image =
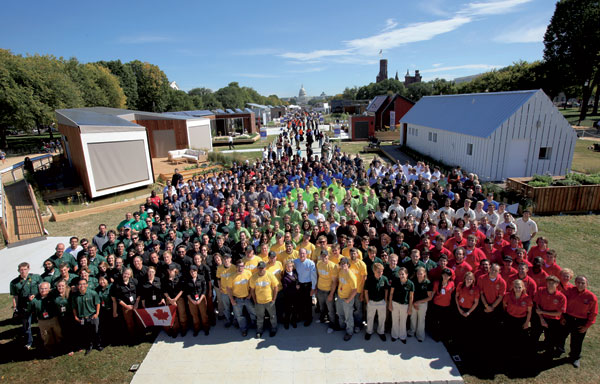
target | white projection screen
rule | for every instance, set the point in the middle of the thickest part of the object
(118, 163)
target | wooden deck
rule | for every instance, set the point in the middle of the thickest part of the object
(23, 220)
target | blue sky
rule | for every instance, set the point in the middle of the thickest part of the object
(275, 46)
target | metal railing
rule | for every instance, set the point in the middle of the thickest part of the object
(18, 166)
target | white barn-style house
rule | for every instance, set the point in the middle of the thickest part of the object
(495, 135)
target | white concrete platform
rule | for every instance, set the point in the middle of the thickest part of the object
(294, 356)
(33, 253)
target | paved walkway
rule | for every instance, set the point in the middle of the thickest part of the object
(34, 254)
(302, 355)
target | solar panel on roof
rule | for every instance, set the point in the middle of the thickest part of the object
(229, 110)
(376, 103)
(239, 110)
(220, 111)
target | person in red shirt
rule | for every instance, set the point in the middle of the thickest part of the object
(492, 254)
(508, 272)
(537, 273)
(550, 265)
(460, 266)
(473, 255)
(425, 244)
(466, 298)
(440, 312)
(484, 269)
(499, 241)
(432, 234)
(530, 285)
(582, 309)
(473, 230)
(538, 250)
(457, 240)
(511, 248)
(565, 280)
(518, 307)
(492, 287)
(550, 305)
(436, 273)
(510, 231)
(521, 257)
(438, 250)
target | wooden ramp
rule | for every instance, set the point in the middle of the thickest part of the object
(23, 220)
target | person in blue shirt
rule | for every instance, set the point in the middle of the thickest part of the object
(307, 278)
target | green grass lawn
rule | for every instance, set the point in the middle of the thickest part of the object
(23, 144)
(584, 159)
(572, 115)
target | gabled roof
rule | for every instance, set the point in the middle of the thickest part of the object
(474, 114)
(376, 103)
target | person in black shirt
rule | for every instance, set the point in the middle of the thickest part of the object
(139, 270)
(125, 299)
(151, 291)
(196, 290)
(173, 290)
(183, 260)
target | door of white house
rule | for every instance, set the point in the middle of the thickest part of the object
(515, 163)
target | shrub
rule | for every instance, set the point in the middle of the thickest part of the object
(541, 181)
(534, 183)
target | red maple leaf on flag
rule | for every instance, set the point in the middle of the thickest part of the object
(160, 314)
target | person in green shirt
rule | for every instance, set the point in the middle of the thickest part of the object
(86, 309)
(401, 303)
(128, 220)
(46, 311)
(23, 289)
(50, 271)
(364, 208)
(61, 257)
(106, 310)
(234, 235)
(376, 296)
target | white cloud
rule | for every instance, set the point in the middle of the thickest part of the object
(392, 37)
(389, 24)
(481, 67)
(436, 65)
(143, 39)
(523, 35)
(495, 7)
(319, 54)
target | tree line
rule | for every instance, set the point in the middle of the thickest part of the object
(33, 87)
(570, 65)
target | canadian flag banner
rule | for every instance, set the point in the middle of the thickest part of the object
(157, 316)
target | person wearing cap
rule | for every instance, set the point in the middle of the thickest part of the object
(327, 277)
(441, 310)
(196, 289)
(264, 288)
(507, 271)
(346, 294)
(279, 246)
(550, 306)
(582, 309)
(240, 298)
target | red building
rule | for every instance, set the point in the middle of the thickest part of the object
(379, 114)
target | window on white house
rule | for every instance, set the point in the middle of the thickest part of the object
(435, 137)
(469, 149)
(545, 153)
(416, 132)
(430, 136)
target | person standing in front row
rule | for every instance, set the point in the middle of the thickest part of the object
(263, 287)
(307, 278)
(422, 296)
(86, 310)
(376, 291)
(239, 295)
(23, 289)
(401, 303)
(347, 289)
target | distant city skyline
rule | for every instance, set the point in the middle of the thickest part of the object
(277, 47)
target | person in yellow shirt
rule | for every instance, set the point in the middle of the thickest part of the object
(335, 256)
(263, 286)
(327, 275)
(346, 294)
(225, 272)
(239, 295)
(251, 261)
(264, 252)
(276, 268)
(349, 246)
(279, 246)
(310, 247)
(289, 254)
(321, 245)
(359, 268)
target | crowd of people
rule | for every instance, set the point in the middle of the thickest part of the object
(387, 248)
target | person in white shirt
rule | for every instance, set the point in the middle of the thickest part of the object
(436, 175)
(479, 212)
(316, 215)
(447, 208)
(397, 207)
(492, 216)
(413, 209)
(466, 210)
(74, 247)
(526, 229)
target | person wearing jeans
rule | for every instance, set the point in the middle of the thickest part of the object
(346, 296)
(423, 294)
(327, 272)
(376, 296)
(225, 272)
(23, 289)
(239, 296)
(401, 304)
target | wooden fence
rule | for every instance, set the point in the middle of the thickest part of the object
(556, 199)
